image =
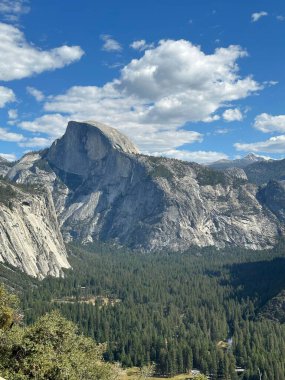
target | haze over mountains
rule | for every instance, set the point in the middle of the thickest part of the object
(237, 163)
(102, 189)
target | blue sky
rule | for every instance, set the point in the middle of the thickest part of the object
(199, 80)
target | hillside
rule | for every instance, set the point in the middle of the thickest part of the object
(103, 189)
(30, 238)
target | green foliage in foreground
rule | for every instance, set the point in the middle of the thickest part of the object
(51, 349)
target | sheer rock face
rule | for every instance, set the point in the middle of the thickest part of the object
(4, 166)
(30, 238)
(104, 189)
(273, 196)
(86, 143)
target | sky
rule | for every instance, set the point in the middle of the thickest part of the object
(198, 80)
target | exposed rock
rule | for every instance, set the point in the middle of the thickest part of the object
(30, 238)
(262, 172)
(103, 189)
(5, 165)
(273, 196)
(86, 143)
(238, 163)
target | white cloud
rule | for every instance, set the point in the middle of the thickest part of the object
(233, 114)
(258, 15)
(196, 84)
(210, 119)
(13, 9)
(8, 156)
(53, 125)
(5, 135)
(171, 85)
(38, 142)
(280, 18)
(110, 44)
(141, 45)
(37, 94)
(12, 114)
(268, 123)
(273, 145)
(6, 96)
(23, 59)
(203, 157)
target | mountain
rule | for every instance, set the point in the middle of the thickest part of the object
(262, 172)
(103, 189)
(30, 238)
(238, 163)
(273, 196)
(4, 166)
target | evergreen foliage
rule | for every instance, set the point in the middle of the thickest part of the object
(51, 348)
(198, 309)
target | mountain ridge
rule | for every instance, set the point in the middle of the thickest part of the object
(103, 189)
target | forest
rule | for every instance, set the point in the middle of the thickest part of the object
(200, 309)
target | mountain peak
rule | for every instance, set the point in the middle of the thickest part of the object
(117, 139)
(86, 142)
(253, 157)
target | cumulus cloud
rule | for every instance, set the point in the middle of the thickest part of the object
(37, 94)
(202, 157)
(233, 114)
(13, 9)
(141, 45)
(23, 59)
(268, 123)
(258, 15)
(8, 156)
(52, 125)
(155, 96)
(6, 96)
(182, 83)
(35, 142)
(110, 44)
(275, 144)
(5, 135)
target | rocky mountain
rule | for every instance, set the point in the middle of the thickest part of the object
(238, 163)
(30, 238)
(5, 165)
(262, 172)
(273, 196)
(104, 189)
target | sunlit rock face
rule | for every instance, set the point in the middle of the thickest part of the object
(30, 238)
(103, 189)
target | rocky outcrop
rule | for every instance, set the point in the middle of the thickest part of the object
(104, 189)
(241, 163)
(30, 238)
(273, 196)
(5, 165)
(261, 173)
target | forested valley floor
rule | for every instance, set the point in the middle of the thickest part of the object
(199, 309)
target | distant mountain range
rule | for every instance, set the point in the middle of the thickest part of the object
(238, 163)
(103, 189)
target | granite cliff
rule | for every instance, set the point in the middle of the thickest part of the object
(30, 238)
(104, 189)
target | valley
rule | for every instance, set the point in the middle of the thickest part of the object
(166, 263)
(142, 190)
(175, 308)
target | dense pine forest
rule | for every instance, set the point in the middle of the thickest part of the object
(199, 309)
